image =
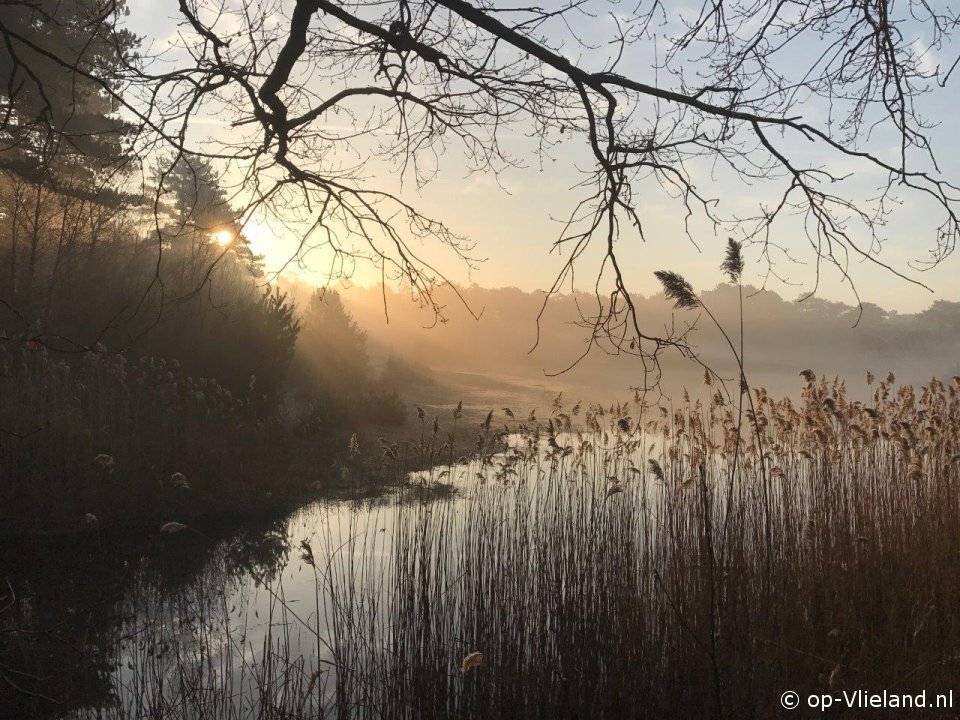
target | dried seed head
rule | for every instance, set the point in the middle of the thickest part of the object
(656, 469)
(677, 289)
(471, 661)
(732, 263)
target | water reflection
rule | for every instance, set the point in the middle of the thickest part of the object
(103, 626)
(81, 612)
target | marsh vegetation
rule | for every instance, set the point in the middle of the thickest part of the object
(230, 489)
(626, 561)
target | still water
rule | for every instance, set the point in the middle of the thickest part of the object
(224, 623)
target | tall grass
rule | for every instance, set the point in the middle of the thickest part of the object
(96, 433)
(628, 569)
(600, 581)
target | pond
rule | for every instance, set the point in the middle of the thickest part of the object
(630, 571)
(304, 615)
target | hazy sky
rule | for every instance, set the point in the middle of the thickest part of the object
(512, 218)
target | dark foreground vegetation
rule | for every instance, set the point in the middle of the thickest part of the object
(620, 562)
(147, 369)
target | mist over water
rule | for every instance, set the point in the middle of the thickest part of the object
(780, 339)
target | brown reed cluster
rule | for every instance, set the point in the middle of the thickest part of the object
(652, 561)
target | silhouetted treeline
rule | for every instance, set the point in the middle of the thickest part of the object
(153, 343)
(80, 272)
(140, 337)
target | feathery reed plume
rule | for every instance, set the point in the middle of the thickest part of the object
(306, 553)
(732, 263)
(613, 490)
(107, 462)
(677, 289)
(179, 480)
(473, 660)
(656, 469)
(486, 423)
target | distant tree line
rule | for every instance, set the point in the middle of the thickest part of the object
(782, 337)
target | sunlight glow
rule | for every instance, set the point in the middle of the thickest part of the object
(222, 237)
(258, 236)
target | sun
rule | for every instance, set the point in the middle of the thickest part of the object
(222, 237)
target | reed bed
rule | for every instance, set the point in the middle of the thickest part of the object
(663, 567)
(96, 433)
(634, 562)
(200, 652)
